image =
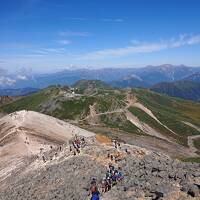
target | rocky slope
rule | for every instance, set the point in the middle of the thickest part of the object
(26, 133)
(148, 175)
(5, 99)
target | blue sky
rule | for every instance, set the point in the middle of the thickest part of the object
(46, 35)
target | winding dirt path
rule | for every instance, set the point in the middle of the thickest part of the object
(131, 100)
(192, 138)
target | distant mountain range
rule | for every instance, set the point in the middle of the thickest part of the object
(194, 77)
(130, 81)
(150, 75)
(118, 77)
(18, 92)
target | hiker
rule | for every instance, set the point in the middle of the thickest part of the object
(74, 153)
(108, 156)
(93, 182)
(43, 159)
(108, 174)
(78, 143)
(108, 184)
(103, 185)
(78, 151)
(114, 178)
(95, 193)
(83, 140)
(119, 174)
(126, 150)
(118, 144)
(111, 168)
(70, 148)
(74, 145)
(41, 149)
(111, 157)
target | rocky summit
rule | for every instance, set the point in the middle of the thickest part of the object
(61, 174)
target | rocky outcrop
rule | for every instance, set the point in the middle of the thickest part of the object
(147, 175)
(5, 99)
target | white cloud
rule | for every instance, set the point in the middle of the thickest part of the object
(64, 42)
(144, 47)
(21, 77)
(6, 81)
(70, 33)
(47, 51)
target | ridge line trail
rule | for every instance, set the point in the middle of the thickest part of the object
(193, 137)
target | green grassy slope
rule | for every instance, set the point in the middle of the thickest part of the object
(170, 111)
(182, 89)
(165, 107)
(31, 102)
(197, 143)
(83, 85)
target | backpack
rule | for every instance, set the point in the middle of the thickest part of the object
(95, 196)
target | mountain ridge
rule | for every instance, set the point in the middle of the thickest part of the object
(151, 75)
(182, 89)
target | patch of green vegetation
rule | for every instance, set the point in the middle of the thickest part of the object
(82, 85)
(144, 117)
(31, 102)
(191, 159)
(176, 125)
(74, 108)
(120, 122)
(105, 103)
(171, 111)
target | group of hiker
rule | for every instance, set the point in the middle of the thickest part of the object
(77, 144)
(116, 144)
(51, 155)
(113, 177)
(114, 157)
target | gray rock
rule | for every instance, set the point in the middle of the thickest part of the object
(193, 191)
